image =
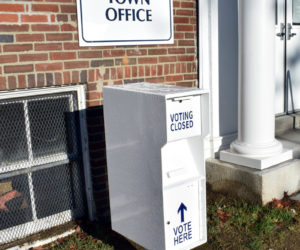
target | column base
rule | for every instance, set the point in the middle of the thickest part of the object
(256, 161)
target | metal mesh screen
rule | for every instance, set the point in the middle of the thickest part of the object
(41, 171)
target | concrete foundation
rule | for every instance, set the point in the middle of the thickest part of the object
(253, 185)
(256, 185)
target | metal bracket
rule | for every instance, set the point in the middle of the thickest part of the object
(289, 33)
(281, 34)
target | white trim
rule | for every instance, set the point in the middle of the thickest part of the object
(35, 226)
(43, 242)
(209, 64)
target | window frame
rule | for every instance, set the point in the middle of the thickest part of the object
(27, 166)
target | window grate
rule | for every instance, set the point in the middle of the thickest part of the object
(41, 170)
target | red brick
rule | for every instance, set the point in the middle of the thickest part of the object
(136, 52)
(128, 71)
(59, 37)
(76, 64)
(34, 18)
(186, 58)
(8, 58)
(62, 55)
(178, 68)
(21, 81)
(134, 71)
(60, 1)
(18, 68)
(67, 78)
(33, 57)
(190, 77)
(147, 70)
(93, 95)
(12, 82)
(94, 103)
(183, 68)
(29, 37)
(62, 18)
(159, 70)
(166, 69)
(106, 74)
(58, 78)
(153, 70)
(2, 83)
(189, 35)
(90, 54)
(45, 7)
(175, 78)
(52, 17)
(179, 35)
(11, 7)
(193, 20)
(40, 80)
(176, 51)
(147, 60)
(186, 84)
(91, 75)
(164, 59)
(186, 43)
(11, 18)
(68, 9)
(120, 73)
(184, 27)
(155, 79)
(47, 46)
(172, 68)
(75, 77)
(14, 27)
(72, 46)
(48, 66)
(184, 12)
(189, 5)
(92, 87)
(31, 80)
(176, 4)
(157, 51)
(113, 74)
(113, 53)
(44, 27)
(125, 61)
(141, 71)
(181, 20)
(68, 27)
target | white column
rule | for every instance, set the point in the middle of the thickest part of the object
(256, 145)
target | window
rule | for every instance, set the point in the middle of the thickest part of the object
(42, 177)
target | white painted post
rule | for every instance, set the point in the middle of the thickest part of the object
(256, 145)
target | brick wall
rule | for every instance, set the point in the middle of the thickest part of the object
(39, 47)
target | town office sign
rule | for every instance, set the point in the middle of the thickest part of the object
(125, 22)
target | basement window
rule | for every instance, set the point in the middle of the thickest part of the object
(44, 171)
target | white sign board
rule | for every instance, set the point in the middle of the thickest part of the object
(125, 22)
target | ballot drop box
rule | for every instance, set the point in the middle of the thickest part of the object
(156, 171)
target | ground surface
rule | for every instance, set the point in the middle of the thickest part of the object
(232, 224)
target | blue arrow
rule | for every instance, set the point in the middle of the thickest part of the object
(181, 210)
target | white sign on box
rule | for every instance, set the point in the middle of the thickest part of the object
(125, 22)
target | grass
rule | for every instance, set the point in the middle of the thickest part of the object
(236, 224)
(231, 224)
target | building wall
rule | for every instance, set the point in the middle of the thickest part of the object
(39, 48)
